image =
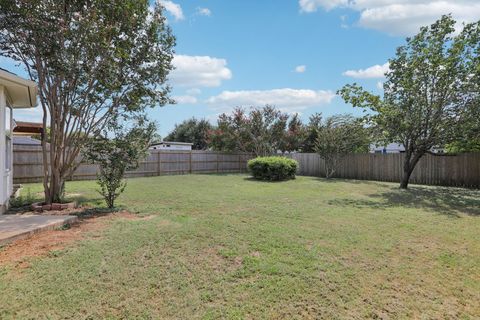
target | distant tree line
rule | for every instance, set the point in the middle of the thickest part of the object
(262, 131)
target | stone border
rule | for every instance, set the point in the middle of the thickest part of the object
(40, 206)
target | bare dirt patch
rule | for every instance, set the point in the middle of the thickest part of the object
(42, 243)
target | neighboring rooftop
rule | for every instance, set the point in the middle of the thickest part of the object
(25, 141)
(24, 127)
(172, 142)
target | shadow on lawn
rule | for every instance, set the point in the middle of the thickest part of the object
(252, 179)
(351, 181)
(449, 201)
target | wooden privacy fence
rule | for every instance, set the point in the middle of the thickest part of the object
(460, 170)
(28, 165)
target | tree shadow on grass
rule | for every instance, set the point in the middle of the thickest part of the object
(252, 179)
(449, 201)
(351, 181)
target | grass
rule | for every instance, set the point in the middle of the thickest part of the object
(225, 246)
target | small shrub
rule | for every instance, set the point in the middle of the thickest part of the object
(22, 200)
(273, 168)
(116, 155)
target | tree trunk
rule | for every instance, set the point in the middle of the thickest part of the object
(53, 178)
(409, 164)
(57, 187)
(407, 172)
(329, 169)
(45, 151)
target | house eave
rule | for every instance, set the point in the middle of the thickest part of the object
(22, 93)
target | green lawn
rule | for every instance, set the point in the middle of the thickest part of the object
(224, 246)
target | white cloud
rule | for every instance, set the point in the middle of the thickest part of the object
(199, 71)
(344, 23)
(185, 99)
(204, 12)
(399, 17)
(313, 5)
(406, 19)
(376, 71)
(288, 100)
(301, 69)
(194, 92)
(173, 8)
(380, 85)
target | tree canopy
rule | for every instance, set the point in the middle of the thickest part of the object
(261, 131)
(339, 136)
(433, 80)
(193, 131)
(93, 60)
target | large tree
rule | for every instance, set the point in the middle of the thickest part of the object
(339, 136)
(261, 131)
(311, 133)
(92, 60)
(294, 135)
(192, 130)
(433, 80)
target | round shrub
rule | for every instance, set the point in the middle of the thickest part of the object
(273, 168)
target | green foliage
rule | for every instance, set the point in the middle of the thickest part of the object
(273, 168)
(93, 60)
(192, 131)
(431, 88)
(311, 133)
(463, 146)
(467, 132)
(339, 136)
(117, 155)
(261, 131)
(23, 200)
(294, 135)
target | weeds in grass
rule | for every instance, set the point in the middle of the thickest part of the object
(220, 246)
(22, 200)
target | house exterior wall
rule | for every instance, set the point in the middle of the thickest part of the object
(171, 146)
(6, 185)
(389, 148)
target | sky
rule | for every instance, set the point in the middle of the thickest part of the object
(293, 54)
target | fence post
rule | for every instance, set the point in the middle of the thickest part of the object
(159, 163)
(190, 161)
(217, 163)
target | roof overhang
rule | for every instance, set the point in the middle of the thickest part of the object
(22, 93)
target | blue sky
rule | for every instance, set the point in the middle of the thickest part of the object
(293, 54)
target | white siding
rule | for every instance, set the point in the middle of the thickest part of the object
(6, 185)
(171, 146)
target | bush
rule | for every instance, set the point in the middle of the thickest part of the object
(273, 168)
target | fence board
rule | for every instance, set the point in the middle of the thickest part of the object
(461, 170)
(28, 166)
